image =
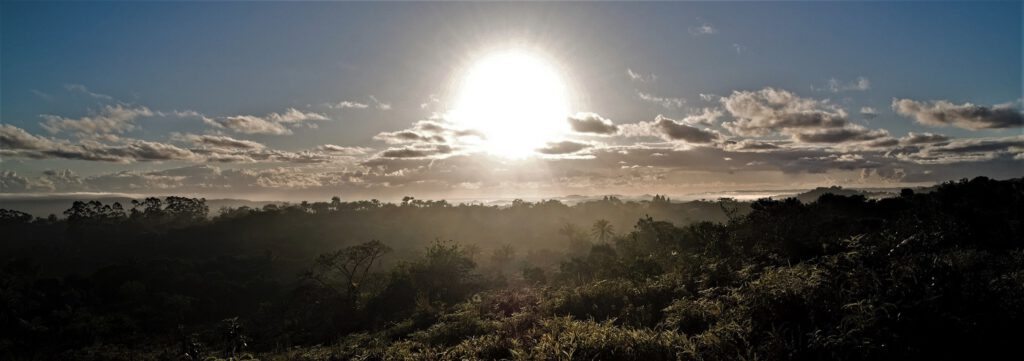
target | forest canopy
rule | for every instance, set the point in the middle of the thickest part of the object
(936, 274)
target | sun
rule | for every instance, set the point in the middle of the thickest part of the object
(516, 99)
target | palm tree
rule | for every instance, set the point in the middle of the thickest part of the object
(602, 230)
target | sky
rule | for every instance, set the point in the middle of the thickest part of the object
(303, 101)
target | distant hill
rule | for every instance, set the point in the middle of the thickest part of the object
(812, 195)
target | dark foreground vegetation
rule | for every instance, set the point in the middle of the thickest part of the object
(936, 275)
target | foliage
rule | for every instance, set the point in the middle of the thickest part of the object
(936, 275)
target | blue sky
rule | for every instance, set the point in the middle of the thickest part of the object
(184, 62)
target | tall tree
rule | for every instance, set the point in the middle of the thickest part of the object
(351, 264)
(602, 231)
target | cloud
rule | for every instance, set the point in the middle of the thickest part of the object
(110, 119)
(416, 152)
(13, 138)
(10, 181)
(341, 150)
(852, 133)
(770, 111)
(703, 29)
(859, 84)
(133, 151)
(967, 150)
(62, 179)
(868, 112)
(352, 104)
(16, 142)
(409, 136)
(380, 105)
(241, 155)
(673, 130)
(922, 138)
(667, 103)
(292, 115)
(137, 150)
(82, 89)
(638, 77)
(749, 145)
(217, 141)
(563, 147)
(966, 116)
(247, 124)
(273, 123)
(41, 95)
(592, 123)
(434, 130)
(346, 104)
(707, 116)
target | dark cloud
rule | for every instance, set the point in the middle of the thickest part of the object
(850, 133)
(966, 116)
(16, 142)
(966, 150)
(16, 139)
(416, 152)
(563, 147)
(674, 130)
(592, 123)
(749, 145)
(433, 130)
(409, 136)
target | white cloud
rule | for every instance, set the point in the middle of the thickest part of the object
(641, 78)
(868, 112)
(273, 123)
(703, 29)
(82, 89)
(116, 118)
(859, 84)
(217, 141)
(707, 116)
(347, 104)
(667, 103)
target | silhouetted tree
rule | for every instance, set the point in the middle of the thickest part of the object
(602, 231)
(351, 264)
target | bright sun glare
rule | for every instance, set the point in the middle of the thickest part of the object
(516, 99)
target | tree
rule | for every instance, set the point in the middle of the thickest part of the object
(602, 230)
(352, 264)
(10, 216)
(503, 256)
(578, 243)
